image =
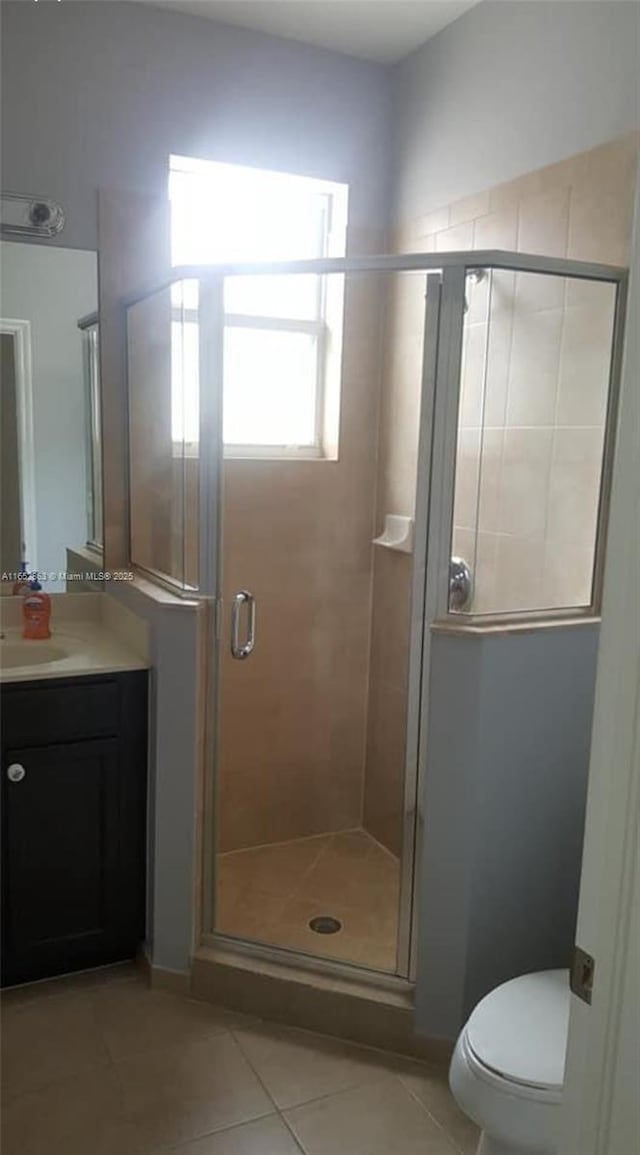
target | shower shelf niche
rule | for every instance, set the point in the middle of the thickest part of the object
(397, 533)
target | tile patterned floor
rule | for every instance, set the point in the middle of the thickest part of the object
(101, 1065)
(271, 893)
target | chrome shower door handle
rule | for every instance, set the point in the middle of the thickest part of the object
(460, 585)
(240, 652)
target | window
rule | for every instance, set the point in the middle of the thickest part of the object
(276, 327)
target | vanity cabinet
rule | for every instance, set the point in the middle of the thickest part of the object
(74, 769)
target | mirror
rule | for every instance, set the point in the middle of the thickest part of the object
(51, 463)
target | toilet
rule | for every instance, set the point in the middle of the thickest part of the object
(507, 1070)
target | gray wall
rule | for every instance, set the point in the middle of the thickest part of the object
(173, 756)
(503, 813)
(99, 94)
(510, 87)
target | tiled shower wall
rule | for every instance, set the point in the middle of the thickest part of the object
(541, 452)
(298, 534)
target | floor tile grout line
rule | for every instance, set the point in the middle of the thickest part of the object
(305, 1102)
(333, 1094)
(297, 1141)
(305, 874)
(285, 842)
(254, 1069)
(219, 1131)
(292, 894)
(432, 1117)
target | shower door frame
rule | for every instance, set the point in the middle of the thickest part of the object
(445, 280)
(444, 296)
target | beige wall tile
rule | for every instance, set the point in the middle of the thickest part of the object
(543, 223)
(547, 358)
(519, 567)
(490, 480)
(469, 209)
(298, 535)
(454, 239)
(585, 358)
(600, 225)
(567, 574)
(485, 573)
(526, 464)
(391, 616)
(534, 291)
(504, 196)
(472, 375)
(464, 545)
(498, 229)
(384, 780)
(467, 482)
(574, 486)
(498, 359)
(433, 222)
(534, 367)
(601, 211)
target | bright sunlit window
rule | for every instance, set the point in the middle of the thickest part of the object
(276, 328)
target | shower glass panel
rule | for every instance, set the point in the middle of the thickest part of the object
(163, 381)
(532, 425)
(322, 400)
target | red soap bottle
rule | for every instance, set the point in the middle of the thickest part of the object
(36, 613)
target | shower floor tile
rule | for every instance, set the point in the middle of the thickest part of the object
(271, 893)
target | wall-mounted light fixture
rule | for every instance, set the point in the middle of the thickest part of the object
(29, 216)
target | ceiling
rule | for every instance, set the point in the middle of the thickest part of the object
(381, 30)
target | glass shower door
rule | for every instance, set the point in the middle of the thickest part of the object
(315, 811)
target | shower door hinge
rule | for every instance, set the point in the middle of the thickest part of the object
(583, 967)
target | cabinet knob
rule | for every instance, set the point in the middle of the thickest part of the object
(16, 772)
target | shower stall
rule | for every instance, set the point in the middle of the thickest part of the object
(334, 457)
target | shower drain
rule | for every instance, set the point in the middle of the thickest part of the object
(325, 924)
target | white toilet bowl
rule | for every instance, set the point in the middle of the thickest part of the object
(507, 1070)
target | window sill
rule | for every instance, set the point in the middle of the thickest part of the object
(255, 453)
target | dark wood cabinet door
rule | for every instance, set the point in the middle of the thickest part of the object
(62, 872)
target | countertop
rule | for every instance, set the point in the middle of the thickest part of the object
(102, 642)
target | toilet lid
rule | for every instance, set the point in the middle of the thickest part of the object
(520, 1029)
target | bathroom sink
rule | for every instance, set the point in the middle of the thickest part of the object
(14, 654)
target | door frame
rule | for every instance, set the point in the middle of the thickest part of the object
(21, 333)
(600, 1113)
